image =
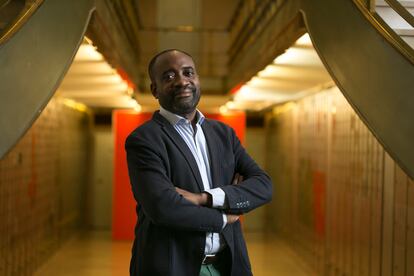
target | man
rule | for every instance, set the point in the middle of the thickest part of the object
(184, 171)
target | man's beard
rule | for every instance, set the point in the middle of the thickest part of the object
(183, 106)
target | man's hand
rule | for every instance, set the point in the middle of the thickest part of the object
(198, 199)
(238, 178)
(231, 218)
(204, 199)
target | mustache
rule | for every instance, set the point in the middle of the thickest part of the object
(181, 89)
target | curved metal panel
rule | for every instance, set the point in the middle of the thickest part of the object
(33, 62)
(374, 76)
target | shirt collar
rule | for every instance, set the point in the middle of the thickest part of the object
(175, 119)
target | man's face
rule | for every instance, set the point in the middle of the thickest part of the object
(176, 84)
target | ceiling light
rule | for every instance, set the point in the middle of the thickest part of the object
(269, 71)
(186, 28)
(134, 105)
(288, 56)
(129, 91)
(75, 105)
(304, 40)
(88, 52)
(223, 109)
(230, 105)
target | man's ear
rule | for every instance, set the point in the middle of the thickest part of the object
(153, 88)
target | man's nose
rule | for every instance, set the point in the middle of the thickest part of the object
(181, 80)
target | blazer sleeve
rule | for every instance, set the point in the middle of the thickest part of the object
(155, 192)
(256, 187)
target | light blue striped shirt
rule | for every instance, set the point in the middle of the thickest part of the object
(196, 142)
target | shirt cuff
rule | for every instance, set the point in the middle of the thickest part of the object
(224, 221)
(218, 197)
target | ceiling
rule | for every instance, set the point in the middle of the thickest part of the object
(126, 34)
(93, 82)
(294, 74)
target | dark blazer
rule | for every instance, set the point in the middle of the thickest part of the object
(171, 231)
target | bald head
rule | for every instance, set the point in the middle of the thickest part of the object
(153, 61)
(174, 82)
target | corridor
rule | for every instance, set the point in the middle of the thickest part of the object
(94, 253)
(319, 94)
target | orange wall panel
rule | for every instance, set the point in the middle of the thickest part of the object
(237, 120)
(123, 212)
(124, 122)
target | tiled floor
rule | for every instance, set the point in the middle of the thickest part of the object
(95, 254)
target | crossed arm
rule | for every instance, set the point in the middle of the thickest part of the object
(164, 204)
(205, 199)
(156, 194)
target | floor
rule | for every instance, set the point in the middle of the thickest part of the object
(94, 253)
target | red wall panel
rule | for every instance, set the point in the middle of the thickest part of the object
(237, 120)
(124, 122)
(123, 208)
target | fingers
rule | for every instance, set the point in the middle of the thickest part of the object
(235, 179)
(180, 191)
(231, 218)
(238, 178)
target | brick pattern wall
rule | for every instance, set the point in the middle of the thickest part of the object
(328, 171)
(42, 182)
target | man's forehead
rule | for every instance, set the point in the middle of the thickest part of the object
(174, 59)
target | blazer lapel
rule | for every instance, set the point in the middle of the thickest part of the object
(213, 151)
(182, 146)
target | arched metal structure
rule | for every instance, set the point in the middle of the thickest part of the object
(370, 68)
(34, 60)
(375, 76)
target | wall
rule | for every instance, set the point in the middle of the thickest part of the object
(100, 189)
(42, 188)
(255, 147)
(339, 199)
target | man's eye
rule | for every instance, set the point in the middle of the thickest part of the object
(189, 73)
(168, 77)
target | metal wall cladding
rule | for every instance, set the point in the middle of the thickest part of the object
(42, 182)
(328, 171)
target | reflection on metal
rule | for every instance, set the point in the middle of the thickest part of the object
(49, 40)
(14, 14)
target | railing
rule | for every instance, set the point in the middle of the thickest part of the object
(402, 11)
(17, 14)
(368, 7)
